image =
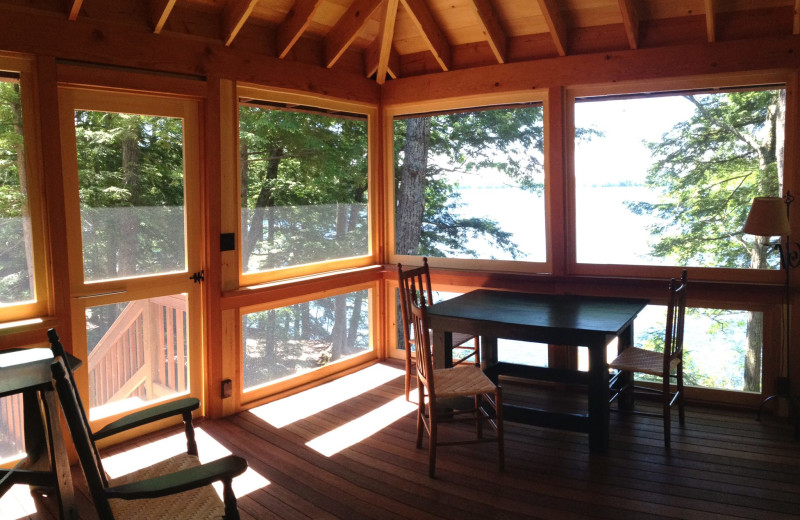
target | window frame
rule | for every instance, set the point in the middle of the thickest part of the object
(660, 88)
(253, 395)
(41, 305)
(465, 104)
(373, 181)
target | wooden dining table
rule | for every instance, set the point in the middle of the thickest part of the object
(567, 320)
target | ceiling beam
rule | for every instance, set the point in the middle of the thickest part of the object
(385, 37)
(796, 27)
(631, 22)
(295, 24)
(74, 9)
(555, 22)
(434, 38)
(494, 32)
(234, 16)
(347, 28)
(710, 29)
(371, 61)
(159, 12)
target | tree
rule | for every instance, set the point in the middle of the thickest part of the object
(509, 141)
(708, 170)
(16, 249)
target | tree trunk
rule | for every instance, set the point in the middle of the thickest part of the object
(355, 321)
(339, 331)
(411, 189)
(25, 217)
(129, 222)
(265, 199)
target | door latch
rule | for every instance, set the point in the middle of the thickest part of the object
(198, 277)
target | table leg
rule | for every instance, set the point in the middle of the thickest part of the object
(442, 348)
(35, 446)
(489, 357)
(59, 463)
(598, 398)
(625, 379)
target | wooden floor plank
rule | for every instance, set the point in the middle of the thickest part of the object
(723, 464)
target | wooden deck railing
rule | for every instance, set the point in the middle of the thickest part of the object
(143, 354)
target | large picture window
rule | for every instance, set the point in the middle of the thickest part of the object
(304, 179)
(675, 174)
(470, 184)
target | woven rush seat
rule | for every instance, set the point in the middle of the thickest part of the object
(202, 503)
(639, 360)
(468, 380)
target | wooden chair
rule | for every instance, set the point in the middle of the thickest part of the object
(183, 407)
(178, 487)
(667, 365)
(448, 383)
(421, 279)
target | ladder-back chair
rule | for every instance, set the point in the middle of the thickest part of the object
(667, 365)
(179, 487)
(420, 279)
(448, 383)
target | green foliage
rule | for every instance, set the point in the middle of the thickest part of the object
(509, 141)
(305, 179)
(707, 170)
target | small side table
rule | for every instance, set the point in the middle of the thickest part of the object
(27, 371)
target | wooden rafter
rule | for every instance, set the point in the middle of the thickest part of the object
(796, 25)
(495, 34)
(631, 22)
(385, 37)
(433, 36)
(371, 61)
(233, 18)
(75, 9)
(295, 24)
(555, 22)
(159, 12)
(710, 28)
(347, 28)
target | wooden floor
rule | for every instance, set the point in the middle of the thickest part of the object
(723, 464)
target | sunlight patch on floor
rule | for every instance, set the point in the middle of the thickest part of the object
(305, 404)
(209, 450)
(359, 429)
(17, 503)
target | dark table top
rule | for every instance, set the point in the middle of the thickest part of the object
(547, 311)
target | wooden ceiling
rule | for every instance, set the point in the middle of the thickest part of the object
(385, 39)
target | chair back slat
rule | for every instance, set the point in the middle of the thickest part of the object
(676, 312)
(81, 437)
(419, 318)
(415, 281)
(60, 353)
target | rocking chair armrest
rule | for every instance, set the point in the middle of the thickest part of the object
(147, 416)
(184, 480)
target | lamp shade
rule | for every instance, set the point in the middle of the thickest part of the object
(767, 218)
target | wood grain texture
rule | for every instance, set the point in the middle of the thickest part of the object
(723, 464)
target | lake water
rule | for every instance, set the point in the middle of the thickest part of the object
(607, 233)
